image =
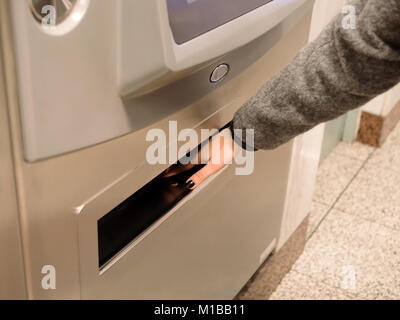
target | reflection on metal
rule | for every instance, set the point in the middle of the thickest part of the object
(63, 8)
(135, 215)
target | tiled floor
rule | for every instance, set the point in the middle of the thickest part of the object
(353, 248)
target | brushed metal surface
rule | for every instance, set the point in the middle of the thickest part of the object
(63, 8)
(64, 196)
(89, 109)
(12, 278)
(189, 19)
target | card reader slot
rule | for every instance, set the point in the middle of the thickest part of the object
(133, 216)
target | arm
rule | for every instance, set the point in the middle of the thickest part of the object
(341, 70)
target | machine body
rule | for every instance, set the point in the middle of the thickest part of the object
(85, 97)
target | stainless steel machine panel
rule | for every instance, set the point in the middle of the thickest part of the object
(191, 18)
(70, 78)
(63, 8)
(210, 241)
(203, 247)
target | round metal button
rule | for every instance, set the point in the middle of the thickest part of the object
(62, 8)
(219, 73)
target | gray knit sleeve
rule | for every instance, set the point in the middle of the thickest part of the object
(341, 70)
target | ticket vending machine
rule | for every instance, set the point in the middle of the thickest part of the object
(88, 90)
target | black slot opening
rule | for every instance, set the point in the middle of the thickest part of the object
(132, 217)
(128, 220)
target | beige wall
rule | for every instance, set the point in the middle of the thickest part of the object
(383, 104)
(307, 147)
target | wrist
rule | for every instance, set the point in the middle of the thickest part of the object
(242, 139)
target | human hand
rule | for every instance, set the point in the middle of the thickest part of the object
(215, 155)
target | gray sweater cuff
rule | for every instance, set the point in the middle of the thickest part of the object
(240, 141)
(341, 70)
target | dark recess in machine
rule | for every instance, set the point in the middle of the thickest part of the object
(128, 220)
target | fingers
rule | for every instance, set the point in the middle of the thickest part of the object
(200, 176)
(220, 153)
(177, 169)
(187, 162)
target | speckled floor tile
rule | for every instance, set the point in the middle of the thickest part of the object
(374, 195)
(387, 157)
(354, 150)
(356, 255)
(318, 212)
(334, 175)
(297, 286)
